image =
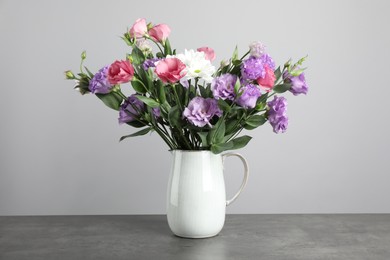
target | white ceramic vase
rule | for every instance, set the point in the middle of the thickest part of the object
(196, 197)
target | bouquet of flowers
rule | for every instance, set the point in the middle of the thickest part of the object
(185, 99)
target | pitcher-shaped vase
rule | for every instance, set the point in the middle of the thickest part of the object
(196, 197)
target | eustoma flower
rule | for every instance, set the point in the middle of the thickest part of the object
(99, 83)
(256, 49)
(139, 28)
(130, 109)
(250, 94)
(170, 70)
(298, 83)
(208, 52)
(223, 86)
(160, 32)
(150, 63)
(267, 82)
(201, 110)
(252, 68)
(120, 72)
(277, 116)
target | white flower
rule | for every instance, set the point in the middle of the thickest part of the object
(144, 46)
(256, 49)
(197, 66)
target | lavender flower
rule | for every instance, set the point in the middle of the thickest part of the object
(156, 112)
(267, 60)
(252, 68)
(223, 86)
(250, 94)
(277, 114)
(299, 85)
(130, 109)
(200, 111)
(256, 49)
(150, 63)
(99, 83)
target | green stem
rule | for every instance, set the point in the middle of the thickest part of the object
(245, 55)
(157, 45)
(177, 97)
(171, 146)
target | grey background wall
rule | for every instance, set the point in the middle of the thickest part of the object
(59, 151)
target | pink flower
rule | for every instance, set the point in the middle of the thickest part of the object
(120, 72)
(139, 28)
(267, 82)
(208, 53)
(159, 32)
(170, 70)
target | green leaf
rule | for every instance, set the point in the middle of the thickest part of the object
(278, 74)
(89, 72)
(148, 101)
(223, 105)
(254, 121)
(141, 132)
(203, 137)
(230, 125)
(235, 54)
(174, 117)
(137, 56)
(112, 100)
(160, 91)
(217, 133)
(219, 148)
(167, 48)
(240, 142)
(138, 86)
(262, 98)
(136, 124)
(281, 88)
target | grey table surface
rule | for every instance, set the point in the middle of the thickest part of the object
(360, 236)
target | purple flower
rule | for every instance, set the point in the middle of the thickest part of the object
(150, 63)
(156, 112)
(223, 86)
(267, 60)
(99, 83)
(277, 116)
(250, 94)
(130, 109)
(252, 68)
(298, 83)
(201, 110)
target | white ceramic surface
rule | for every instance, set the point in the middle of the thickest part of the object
(196, 197)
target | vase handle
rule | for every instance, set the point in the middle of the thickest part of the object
(246, 174)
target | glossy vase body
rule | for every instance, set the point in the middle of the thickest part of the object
(196, 197)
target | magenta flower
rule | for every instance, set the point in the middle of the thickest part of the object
(200, 111)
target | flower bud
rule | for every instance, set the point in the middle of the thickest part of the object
(224, 63)
(83, 55)
(287, 64)
(69, 75)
